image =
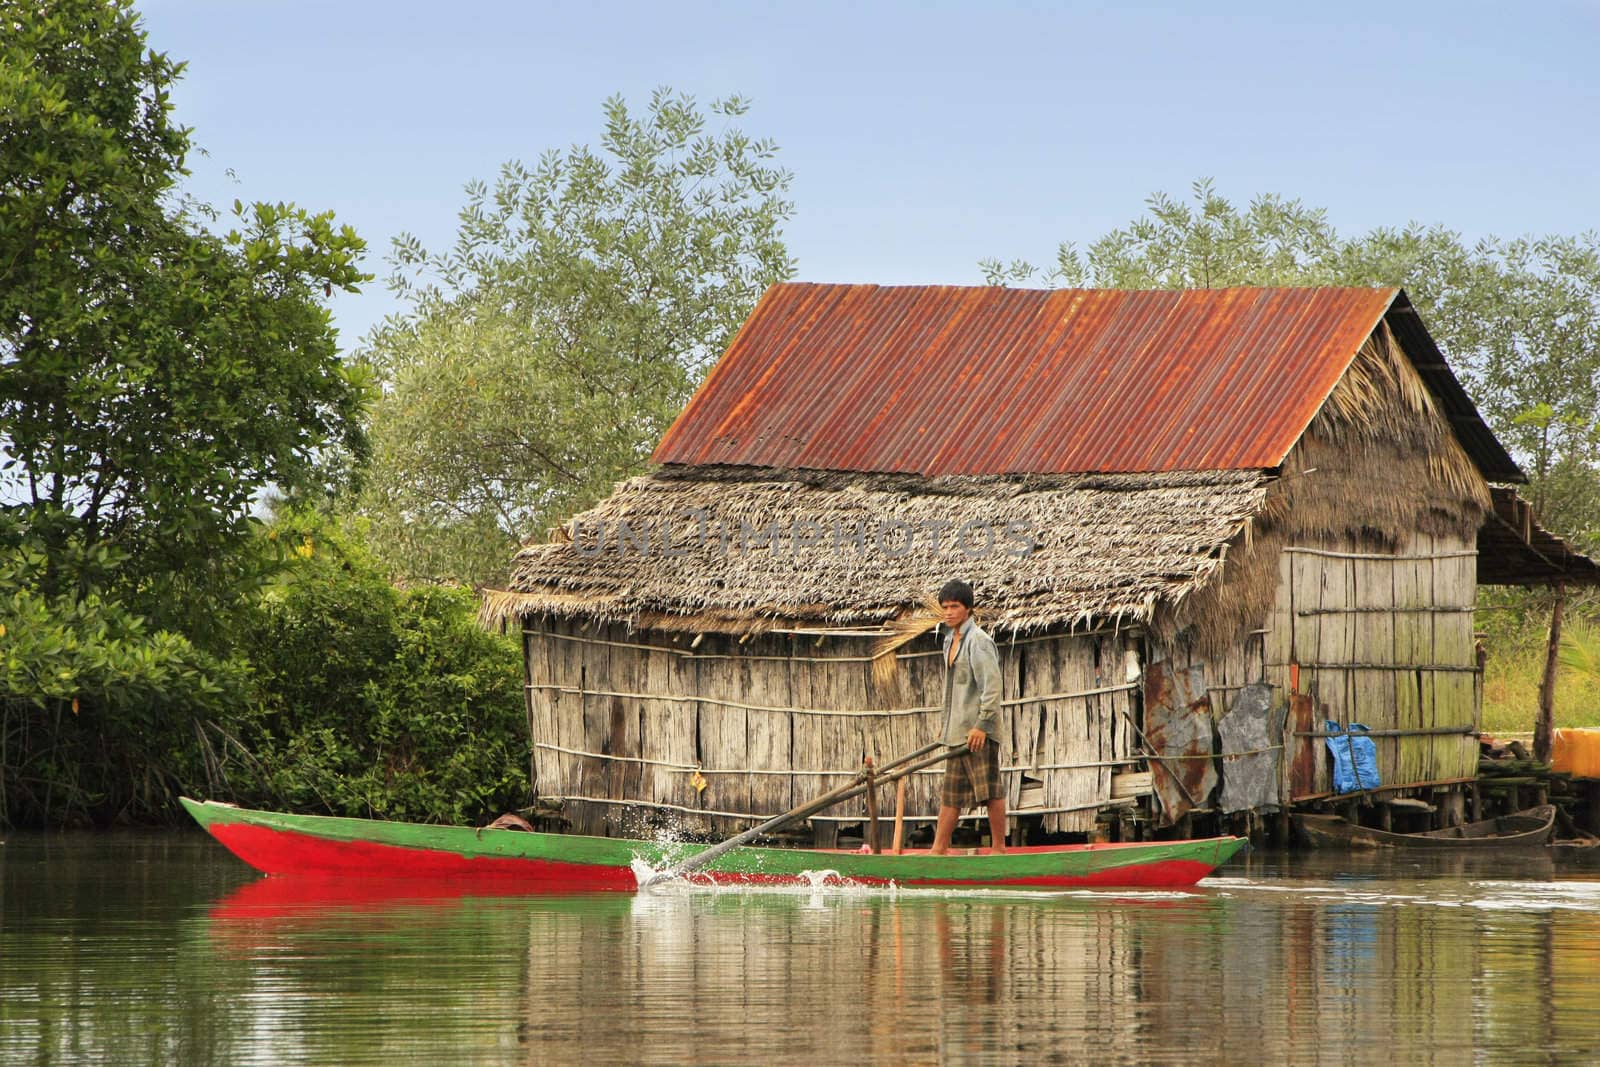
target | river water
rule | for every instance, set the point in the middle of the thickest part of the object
(162, 948)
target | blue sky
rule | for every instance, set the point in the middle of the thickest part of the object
(922, 136)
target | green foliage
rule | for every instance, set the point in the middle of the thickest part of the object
(547, 350)
(356, 699)
(1580, 649)
(376, 702)
(1519, 319)
(154, 377)
(102, 717)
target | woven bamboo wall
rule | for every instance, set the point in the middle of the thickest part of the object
(621, 720)
(1090, 734)
(1384, 640)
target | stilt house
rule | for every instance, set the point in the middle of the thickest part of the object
(1201, 526)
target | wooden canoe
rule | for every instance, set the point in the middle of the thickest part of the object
(324, 846)
(1522, 829)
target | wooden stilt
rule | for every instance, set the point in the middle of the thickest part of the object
(872, 810)
(899, 816)
(1544, 725)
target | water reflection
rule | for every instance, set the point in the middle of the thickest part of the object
(1303, 959)
(914, 977)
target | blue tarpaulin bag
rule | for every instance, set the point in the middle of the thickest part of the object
(1355, 757)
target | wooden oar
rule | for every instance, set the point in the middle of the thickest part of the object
(889, 772)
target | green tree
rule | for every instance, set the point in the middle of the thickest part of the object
(544, 353)
(154, 377)
(1519, 319)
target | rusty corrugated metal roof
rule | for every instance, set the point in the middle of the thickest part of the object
(942, 380)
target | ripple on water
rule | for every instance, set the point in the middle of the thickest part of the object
(1484, 894)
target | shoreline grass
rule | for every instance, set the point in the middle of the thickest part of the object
(1511, 693)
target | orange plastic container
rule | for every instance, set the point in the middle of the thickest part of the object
(1576, 752)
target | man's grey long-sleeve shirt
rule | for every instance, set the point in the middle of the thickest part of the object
(971, 686)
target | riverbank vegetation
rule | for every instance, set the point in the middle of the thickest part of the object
(237, 556)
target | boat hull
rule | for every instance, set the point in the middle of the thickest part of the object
(1525, 829)
(323, 846)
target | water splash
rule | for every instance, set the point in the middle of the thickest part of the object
(645, 874)
(818, 879)
(649, 877)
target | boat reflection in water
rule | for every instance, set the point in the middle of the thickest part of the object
(1341, 962)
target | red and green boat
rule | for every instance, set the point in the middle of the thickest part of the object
(324, 846)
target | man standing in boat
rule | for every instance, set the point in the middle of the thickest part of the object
(971, 720)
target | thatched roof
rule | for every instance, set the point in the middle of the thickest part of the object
(1059, 550)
